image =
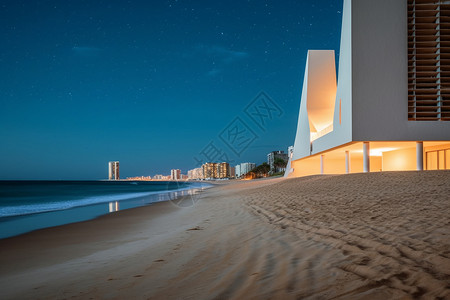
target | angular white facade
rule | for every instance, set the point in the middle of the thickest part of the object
(361, 123)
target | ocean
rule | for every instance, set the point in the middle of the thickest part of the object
(29, 205)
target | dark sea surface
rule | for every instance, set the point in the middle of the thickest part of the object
(31, 205)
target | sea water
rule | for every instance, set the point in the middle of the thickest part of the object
(31, 205)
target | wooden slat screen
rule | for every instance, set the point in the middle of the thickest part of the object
(429, 60)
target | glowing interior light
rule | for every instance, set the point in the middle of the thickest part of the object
(379, 151)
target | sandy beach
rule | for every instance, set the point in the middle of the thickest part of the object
(358, 236)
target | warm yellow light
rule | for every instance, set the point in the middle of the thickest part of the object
(377, 151)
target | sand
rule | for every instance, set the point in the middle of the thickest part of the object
(358, 236)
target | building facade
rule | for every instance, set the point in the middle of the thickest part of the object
(272, 157)
(223, 170)
(196, 174)
(232, 172)
(390, 109)
(175, 174)
(237, 170)
(247, 167)
(244, 168)
(113, 170)
(209, 170)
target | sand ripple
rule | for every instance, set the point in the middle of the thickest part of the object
(393, 228)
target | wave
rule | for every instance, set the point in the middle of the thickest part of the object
(20, 210)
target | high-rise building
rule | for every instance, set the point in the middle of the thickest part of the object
(272, 156)
(245, 168)
(389, 107)
(210, 170)
(196, 173)
(175, 174)
(232, 172)
(113, 170)
(237, 169)
(223, 170)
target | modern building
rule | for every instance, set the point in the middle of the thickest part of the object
(113, 170)
(237, 171)
(210, 170)
(232, 172)
(196, 173)
(390, 108)
(158, 177)
(223, 170)
(175, 174)
(274, 155)
(244, 168)
(247, 167)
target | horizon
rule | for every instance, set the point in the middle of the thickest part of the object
(155, 86)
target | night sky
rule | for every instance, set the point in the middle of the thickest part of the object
(154, 84)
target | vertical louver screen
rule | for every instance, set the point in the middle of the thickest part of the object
(429, 60)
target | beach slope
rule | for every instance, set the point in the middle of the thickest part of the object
(358, 236)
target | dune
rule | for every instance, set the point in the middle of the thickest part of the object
(358, 236)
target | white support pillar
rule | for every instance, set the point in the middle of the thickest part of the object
(347, 162)
(366, 157)
(321, 164)
(419, 156)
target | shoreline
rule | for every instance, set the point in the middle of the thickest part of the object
(376, 235)
(84, 207)
(97, 230)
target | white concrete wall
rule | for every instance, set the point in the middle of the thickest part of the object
(342, 132)
(301, 145)
(372, 82)
(380, 78)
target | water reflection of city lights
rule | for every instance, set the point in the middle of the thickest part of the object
(113, 206)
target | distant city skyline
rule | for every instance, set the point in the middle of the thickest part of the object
(154, 85)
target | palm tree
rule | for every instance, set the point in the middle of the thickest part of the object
(262, 170)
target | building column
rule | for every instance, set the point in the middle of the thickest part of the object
(321, 164)
(347, 162)
(419, 156)
(366, 157)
